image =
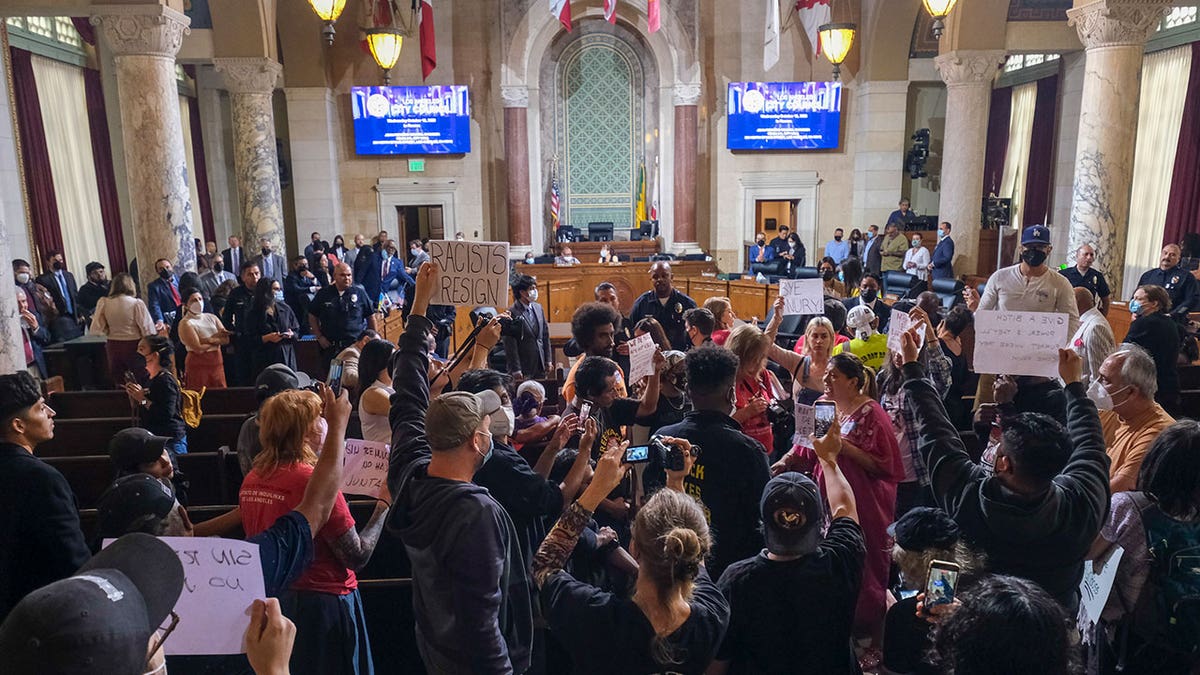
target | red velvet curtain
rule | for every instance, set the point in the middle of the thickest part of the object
(1039, 178)
(106, 179)
(35, 157)
(87, 32)
(997, 139)
(205, 206)
(1183, 205)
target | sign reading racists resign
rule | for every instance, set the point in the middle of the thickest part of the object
(473, 273)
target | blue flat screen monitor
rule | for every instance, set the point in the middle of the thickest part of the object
(784, 115)
(411, 120)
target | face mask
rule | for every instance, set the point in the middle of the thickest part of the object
(533, 295)
(302, 268)
(196, 307)
(941, 234)
(760, 242)
(1101, 396)
(827, 275)
(528, 261)
(841, 276)
(1135, 307)
(916, 243)
(278, 296)
(837, 237)
(218, 267)
(165, 274)
(23, 278)
(1033, 257)
(266, 250)
(58, 265)
(870, 236)
(855, 237)
(869, 296)
(491, 448)
(502, 425)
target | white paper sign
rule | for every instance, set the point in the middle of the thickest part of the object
(802, 296)
(1019, 343)
(365, 468)
(474, 273)
(222, 577)
(898, 325)
(641, 357)
(1096, 586)
(805, 425)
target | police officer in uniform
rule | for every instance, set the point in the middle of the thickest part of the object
(1083, 276)
(339, 313)
(234, 318)
(666, 304)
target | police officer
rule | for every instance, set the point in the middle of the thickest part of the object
(666, 304)
(234, 318)
(1083, 276)
(339, 313)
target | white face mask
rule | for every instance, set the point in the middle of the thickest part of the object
(533, 295)
(196, 307)
(23, 278)
(503, 422)
(1101, 396)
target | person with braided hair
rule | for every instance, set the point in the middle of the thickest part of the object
(676, 618)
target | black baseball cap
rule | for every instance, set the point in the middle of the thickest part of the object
(130, 448)
(132, 503)
(93, 266)
(924, 528)
(98, 621)
(792, 514)
(278, 378)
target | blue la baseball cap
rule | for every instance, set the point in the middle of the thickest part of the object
(1035, 234)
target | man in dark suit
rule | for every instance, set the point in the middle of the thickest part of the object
(40, 538)
(316, 247)
(164, 299)
(527, 339)
(366, 263)
(868, 294)
(61, 285)
(234, 256)
(271, 264)
(872, 255)
(942, 264)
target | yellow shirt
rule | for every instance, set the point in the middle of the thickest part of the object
(1127, 441)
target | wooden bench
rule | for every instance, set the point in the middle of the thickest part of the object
(214, 477)
(89, 436)
(114, 403)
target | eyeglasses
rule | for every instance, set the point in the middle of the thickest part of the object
(166, 634)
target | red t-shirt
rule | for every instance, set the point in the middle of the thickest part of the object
(264, 499)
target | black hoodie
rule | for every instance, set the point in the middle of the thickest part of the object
(470, 595)
(1044, 538)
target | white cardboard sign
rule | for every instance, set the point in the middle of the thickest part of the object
(1096, 586)
(1019, 343)
(365, 468)
(898, 325)
(802, 296)
(805, 424)
(474, 273)
(641, 357)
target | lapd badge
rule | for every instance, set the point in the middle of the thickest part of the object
(1174, 279)
(679, 308)
(354, 297)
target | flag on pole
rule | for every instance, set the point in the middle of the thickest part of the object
(554, 202)
(641, 194)
(562, 10)
(813, 13)
(771, 37)
(428, 42)
(610, 11)
(653, 17)
(654, 199)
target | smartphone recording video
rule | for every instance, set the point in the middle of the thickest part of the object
(942, 583)
(335, 377)
(637, 454)
(824, 414)
(585, 411)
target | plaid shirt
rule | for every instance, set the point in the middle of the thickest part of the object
(937, 366)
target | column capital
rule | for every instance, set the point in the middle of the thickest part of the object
(687, 94)
(515, 96)
(141, 30)
(969, 67)
(1116, 23)
(251, 75)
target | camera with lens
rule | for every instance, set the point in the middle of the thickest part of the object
(507, 326)
(670, 454)
(778, 414)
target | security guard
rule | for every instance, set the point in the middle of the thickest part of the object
(339, 313)
(666, 304)
(1083, 275)
(234, 318)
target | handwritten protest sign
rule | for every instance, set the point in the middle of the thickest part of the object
(1095, 588)
(473, 273)
(1019, 343)
(365, 468)
(802, 296)
(641, 357)
(898, 324)
(805, 424)
(222, 577)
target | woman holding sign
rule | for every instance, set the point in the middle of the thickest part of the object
(331, 629)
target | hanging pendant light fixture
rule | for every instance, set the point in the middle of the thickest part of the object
(328, 11)
(836, 41)
(385, 44)
(939, 10)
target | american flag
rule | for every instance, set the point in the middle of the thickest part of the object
(554, 201)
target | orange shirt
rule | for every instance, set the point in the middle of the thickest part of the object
(1127, 441)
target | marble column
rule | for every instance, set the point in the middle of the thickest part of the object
(251, 84)
(516, 157)
(968, 75)
(12, 347)
(687, 96)
(144, 40)
(1114, 33)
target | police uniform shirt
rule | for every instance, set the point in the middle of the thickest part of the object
(342, 316)
(1179, 284)
(1093, 280)
(669, 314)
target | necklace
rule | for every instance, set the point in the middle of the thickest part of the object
(682, 401)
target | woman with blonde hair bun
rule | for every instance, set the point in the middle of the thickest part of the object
(676, 617)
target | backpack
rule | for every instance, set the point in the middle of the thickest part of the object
(1168, 610)
(189, 406)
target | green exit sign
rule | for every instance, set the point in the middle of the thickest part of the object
(416, 165)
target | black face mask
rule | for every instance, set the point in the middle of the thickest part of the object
(58, 265)
(165, 274)
(218, 267)
(855, 238)
(827, 275)
(1033, 257)
(869, 296)
(266, 251)
(302, 268)
(760, 243)
(837, 237)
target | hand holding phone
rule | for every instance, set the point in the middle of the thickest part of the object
(585, 410)
(335, 377)
(941, 584)
(824, 414)
(637, 454)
